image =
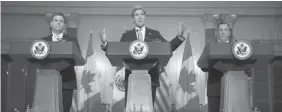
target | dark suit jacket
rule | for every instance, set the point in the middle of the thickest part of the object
(150, 36)
(68, 73)
(214, 78)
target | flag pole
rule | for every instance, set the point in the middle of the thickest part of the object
(90, 39)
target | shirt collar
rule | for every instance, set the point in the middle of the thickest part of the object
(143, 28)
(60, 35)
(223, 41)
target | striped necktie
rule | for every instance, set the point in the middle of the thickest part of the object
(139, 32)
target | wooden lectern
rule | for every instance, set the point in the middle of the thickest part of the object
(35, 83)
(139, 82)
(234, 90)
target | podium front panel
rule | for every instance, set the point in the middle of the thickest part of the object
(118, 51)
(224, 51)
(21, 82)
(57, 50)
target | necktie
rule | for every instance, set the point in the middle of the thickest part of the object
(140, 37)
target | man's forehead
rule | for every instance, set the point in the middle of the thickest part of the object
(223, 26)
(58, 17)
(139, 11)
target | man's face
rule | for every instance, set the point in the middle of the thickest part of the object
(223, 32)
(139, 18)
(58, 23)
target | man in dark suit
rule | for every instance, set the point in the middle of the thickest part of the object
(143, 33)
(214, 78)
(68, 73)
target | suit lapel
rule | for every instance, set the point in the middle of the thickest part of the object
(133, 33)
(148, 35)
(49, 38)
(66, 38)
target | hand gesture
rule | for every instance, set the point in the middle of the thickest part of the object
(103, 36)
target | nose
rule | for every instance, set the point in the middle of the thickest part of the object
(223, 32)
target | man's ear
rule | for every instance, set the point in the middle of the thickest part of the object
(230, 32)
(215, 33)
(51, 23)
(65, 30)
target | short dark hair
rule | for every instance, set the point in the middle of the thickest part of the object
(58, 14)
(222, 22)
(135, 9)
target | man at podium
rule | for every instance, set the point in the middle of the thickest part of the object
(68, 74)
(214, 78)
(143, 33)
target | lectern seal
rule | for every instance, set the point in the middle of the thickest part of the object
(40, 49)
(138, 49)
(242, 50)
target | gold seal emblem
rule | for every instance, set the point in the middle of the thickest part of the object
(138, 49)
(40, 49)
(242, 50)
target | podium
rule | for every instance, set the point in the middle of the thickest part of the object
(139, 95)
(235, 95)
(31, 83)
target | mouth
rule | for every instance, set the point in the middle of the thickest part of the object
(58, 27)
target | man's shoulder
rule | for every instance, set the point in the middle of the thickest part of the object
(213, 40)
(151, 30)
(47, 38)
(129, 32)
(69, 38)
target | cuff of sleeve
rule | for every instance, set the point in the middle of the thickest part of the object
(181, 38)
(104, 45)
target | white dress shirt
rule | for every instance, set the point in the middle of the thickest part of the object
(143, 30)
(56, 37)
(227, 41)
